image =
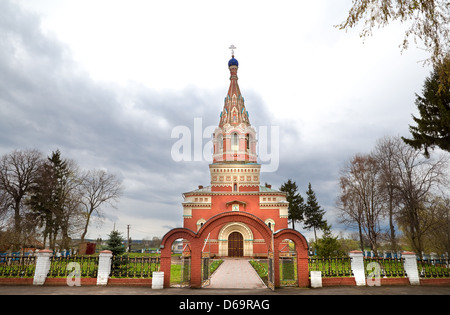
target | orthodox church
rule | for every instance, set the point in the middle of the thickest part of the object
(235, 184)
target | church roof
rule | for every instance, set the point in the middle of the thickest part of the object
(207, 189)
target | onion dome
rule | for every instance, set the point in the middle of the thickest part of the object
(233, 62)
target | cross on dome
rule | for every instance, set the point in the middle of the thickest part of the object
(232, 62)
(232, 47)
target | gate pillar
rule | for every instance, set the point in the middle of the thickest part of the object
(276, 266)
(196, 266)
(165, 264)
(302, 270)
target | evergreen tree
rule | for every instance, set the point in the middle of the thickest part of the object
(313, 213)
(328, 245)
(114, 243)
(51, 199)
(433, 126)
(296, 202)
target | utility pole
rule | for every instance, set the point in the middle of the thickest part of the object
(128, 238)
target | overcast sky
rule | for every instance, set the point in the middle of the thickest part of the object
(107, 81)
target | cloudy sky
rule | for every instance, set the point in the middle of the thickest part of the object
(108, 81)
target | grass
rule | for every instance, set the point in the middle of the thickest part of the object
(262, 270)
(175, 270)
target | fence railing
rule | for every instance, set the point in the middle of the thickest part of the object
(12, 266)
(62, 267)
(388, 267)
(134, 267)
(332, 266)
(434, 268)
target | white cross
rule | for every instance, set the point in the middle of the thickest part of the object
(232, 47)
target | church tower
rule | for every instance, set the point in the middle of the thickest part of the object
(234, 165)
(235, 183)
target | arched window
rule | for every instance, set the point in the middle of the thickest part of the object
(220, 143)
(270, 223)
(235, 141)
(247, 141)
(200, 223)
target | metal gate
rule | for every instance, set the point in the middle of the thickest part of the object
(205, 269)
(288, 266)
(206, 264)
(186, 266)
(271, 272)
(270, 267)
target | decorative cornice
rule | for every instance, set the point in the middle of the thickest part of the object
(196, 204)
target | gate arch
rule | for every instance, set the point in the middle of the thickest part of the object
(301, 247)
(196, 240)
(166, 249)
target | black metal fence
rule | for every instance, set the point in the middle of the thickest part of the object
(134, 267)
(387, 267)
(434, 268)
(14, 266)
(331, 266)
(23, 266)
(86, 266)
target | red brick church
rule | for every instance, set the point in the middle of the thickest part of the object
(235, 184)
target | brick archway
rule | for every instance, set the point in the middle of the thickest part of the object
(166, 249)
(196, 240)
(301, 246)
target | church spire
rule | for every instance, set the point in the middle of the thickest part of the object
(234, 138)
(234, 112)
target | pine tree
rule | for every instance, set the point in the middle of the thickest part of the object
(114, 243)
(328, 245)
(433, 126)
(296, 202)
(50, 199)
(313, 213)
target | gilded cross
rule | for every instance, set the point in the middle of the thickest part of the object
(232, 47)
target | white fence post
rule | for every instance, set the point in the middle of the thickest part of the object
(410, 266)
(42, 266)
(158, 280)
(357, 263)
(104, 267)
(316, 279)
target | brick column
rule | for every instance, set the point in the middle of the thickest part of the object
(196, 266)
(410, 266)
(303, 270)
(165, 264)
(42, 266)
(104, 267)
(357, 263)
(276, 269)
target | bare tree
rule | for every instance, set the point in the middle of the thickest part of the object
(351, 207)
(97, 188)
(18, 172)
(419, 179)
(360, 197)
(385, 153)
(438, 238)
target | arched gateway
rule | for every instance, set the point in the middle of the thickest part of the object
(197, 240)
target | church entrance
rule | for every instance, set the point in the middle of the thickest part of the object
(235, 245)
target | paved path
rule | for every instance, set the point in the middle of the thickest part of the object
(348, 291)
(235, 274)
